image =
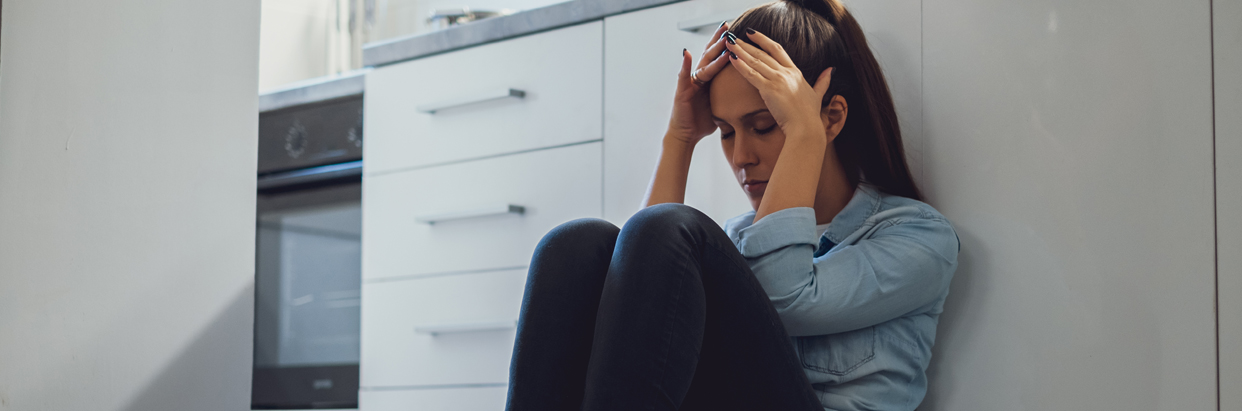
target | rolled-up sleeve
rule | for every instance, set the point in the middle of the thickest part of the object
(902, 266)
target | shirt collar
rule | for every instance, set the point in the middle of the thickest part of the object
(864, 204)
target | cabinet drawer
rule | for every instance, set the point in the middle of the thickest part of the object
(559, 72)
(453, 329)
(441, 399)
(553, 186)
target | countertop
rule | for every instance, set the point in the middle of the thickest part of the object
(498, 28)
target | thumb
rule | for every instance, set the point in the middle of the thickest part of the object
(821, 84)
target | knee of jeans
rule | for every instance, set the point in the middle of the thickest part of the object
(667, 218)
(580, 234)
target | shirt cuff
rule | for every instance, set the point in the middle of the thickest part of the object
(795, 225)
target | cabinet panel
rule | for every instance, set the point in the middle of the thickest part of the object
(1071, 146)
(558, 71)
(553, 186)
(442, 399)
(454, 329)
(1227, 42)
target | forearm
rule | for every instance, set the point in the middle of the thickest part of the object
(668, 182)
(795, 177)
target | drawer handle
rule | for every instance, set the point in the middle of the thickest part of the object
(702, 24)
(475, 99)
(490, 210)
(465, 327)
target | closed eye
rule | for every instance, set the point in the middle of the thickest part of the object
(757, 131)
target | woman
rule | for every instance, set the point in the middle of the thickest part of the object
(826, 296)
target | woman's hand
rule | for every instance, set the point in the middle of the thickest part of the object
(794, 104)
(691, 119)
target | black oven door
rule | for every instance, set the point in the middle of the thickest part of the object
(307, 291)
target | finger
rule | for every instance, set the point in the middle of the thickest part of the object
(741, 54)
(821, 84)
(684, 75)
(706, 73)
(771, 47)
(761, 57)
(724, 26)
(714, 51)
(747, 72)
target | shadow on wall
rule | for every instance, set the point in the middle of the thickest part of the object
(966, 287)
(208, 375)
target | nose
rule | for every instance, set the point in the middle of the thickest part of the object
(743, 152)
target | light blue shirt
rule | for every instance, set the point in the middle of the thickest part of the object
(863, 315)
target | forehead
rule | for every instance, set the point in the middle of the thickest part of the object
(732, 96)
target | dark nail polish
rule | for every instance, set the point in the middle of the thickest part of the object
(730, 37)
(750, 31)
(732, 56)
(721, 24)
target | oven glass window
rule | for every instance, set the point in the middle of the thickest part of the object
(308, 283)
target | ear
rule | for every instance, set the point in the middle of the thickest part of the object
(833, 115)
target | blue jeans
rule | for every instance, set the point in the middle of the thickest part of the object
(664, 314)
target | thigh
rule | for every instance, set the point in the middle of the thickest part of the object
(553, 342)
(747, 360)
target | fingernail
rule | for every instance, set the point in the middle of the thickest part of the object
(683, 51)
(750, 30)
(732, 56)
(721, 24)
(730, 37)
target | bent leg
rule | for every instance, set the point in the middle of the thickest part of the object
(683, 324)
(557, 319)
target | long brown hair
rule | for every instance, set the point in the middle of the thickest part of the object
(818, 34)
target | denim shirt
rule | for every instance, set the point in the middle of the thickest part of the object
(862, 316)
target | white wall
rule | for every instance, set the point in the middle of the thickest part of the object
(1071, 144)
(127, 162)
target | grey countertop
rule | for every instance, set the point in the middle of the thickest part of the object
(314, 90)
(498, 28)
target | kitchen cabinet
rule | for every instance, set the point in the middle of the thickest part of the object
(445, 330)
(460, 217)
(466, 398)
(526, 93)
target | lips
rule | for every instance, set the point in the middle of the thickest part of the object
(755, 186)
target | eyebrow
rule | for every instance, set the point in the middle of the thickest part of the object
(744, 116)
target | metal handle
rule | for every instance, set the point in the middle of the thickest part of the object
(465, 327)
(705, 25)
(475, 99)
(489, 210)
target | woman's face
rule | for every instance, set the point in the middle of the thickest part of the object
(748, 132)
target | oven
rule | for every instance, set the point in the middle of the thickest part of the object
(308, 248)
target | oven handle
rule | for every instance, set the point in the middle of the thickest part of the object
(465, 327)
(475, 99)
(490, 210)
(310, 175)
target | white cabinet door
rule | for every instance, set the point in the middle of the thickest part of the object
(441, 330)
(558, 71)
(441, 399)
(641, 64)
(446, 218)
(1070, 143)
(641, 61)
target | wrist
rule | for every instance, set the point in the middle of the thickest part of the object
(805, 131)
(675, 142)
